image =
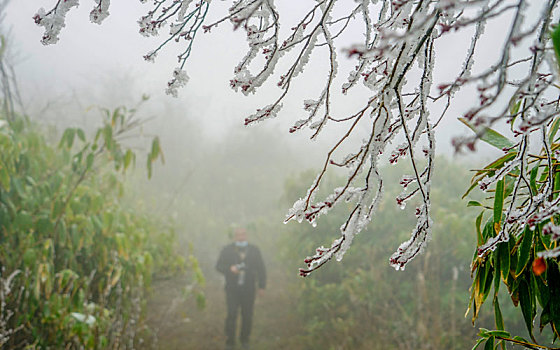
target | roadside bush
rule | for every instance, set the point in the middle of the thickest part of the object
(76, 264)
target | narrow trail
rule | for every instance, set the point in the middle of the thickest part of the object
(180, 325)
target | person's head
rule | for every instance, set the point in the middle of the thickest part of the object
(240, 236)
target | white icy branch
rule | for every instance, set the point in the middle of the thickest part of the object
(399, 42)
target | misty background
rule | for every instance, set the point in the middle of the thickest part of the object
(219, 175)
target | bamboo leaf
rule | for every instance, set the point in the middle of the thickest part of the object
(489, 344)
(478, 231)
(128, 158)
(553, 130)
(527, 308)
(4, 178)
(81, 134)
(497, 270)
(553, 279)
(533, 178)
(489, 169)
(498, 315)
(524, 251)
(490, 136)
(498, 201)
(499, 333)
(555, 36)
(89, 160)
(503, 252)
(478, 343)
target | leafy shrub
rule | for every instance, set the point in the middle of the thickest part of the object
(75, 263)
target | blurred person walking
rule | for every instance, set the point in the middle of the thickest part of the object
(243, 268)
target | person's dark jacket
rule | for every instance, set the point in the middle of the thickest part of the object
(255, 272)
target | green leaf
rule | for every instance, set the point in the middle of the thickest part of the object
(527, 306)
(44, 225)
(156, 150)
(128, 158)
(543, 293)
(488, 230)
(116, 116)
(498, 315)
(545, 317)
(89, 160)
(472, 186)
(108, 137)
(478, 231)
(496, 262)
(533, 178)
(200, 300)
(23, 221)
(489, 344)
(478, 343)
(513, 110)
(149, 166)
(512, 257)
(498, 201)
(490, 136)
(67, 138)
(81, 134)
(514, 107)
(553, 130)
(474, 204)
(555, 36)
(553, 279)
(483, 332)
(30, 258)
(503, 253)
(524, 251)
(499, 333)
(489, 169)
(556, 185)
(4, 178)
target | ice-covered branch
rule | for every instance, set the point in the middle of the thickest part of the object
(395, 63)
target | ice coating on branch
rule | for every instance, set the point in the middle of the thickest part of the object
(100, 11)
(149, 26)
(396, 49)
(184, 6)
(151, 56)
(553, 231)
(549, 254)
(415, 245)
(180, 79)
(267, 112)
(260, 22)
(54, 20)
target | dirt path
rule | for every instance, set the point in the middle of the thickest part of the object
(180, 325)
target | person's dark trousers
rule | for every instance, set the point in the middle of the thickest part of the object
(236, 299)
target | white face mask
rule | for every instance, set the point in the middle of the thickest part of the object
(241, 243)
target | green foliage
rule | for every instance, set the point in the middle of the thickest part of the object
(532, 282)
(76, 264)
(361, 303)
(490, 136)
(555, 36)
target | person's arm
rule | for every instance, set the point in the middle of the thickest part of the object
(261, 270)
(222, 265)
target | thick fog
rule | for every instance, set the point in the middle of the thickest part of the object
(219, 175)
